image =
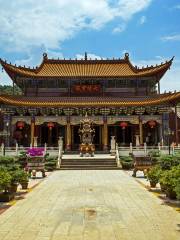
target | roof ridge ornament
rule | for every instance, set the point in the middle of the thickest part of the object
(45, 56)
(85, 56)
(126, 56)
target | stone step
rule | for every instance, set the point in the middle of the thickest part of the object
(99, 161)
(90, 168)
(88, 163)
(85, 161)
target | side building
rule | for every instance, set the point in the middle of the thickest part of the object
(122, 100)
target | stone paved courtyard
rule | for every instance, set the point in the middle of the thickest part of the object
(89, 205)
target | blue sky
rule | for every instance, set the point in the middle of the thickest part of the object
(148, 29)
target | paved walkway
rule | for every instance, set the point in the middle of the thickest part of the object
(89, 205)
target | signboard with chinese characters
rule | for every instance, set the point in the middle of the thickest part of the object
(86, 88)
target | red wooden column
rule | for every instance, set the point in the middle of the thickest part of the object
(105, 134)
(32, 130)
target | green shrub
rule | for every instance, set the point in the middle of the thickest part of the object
(126, 162)
(155, 155)
(22, 159)
(171, 179)
(6, 160)
(5, 179)
(50, 163)
(177, 188)
(154, 174)
(166, 162)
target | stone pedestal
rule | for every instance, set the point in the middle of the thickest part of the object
(137, 141)
(113, 146)
(60, 141)
(35, 141)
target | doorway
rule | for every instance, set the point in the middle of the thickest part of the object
(122, 136)
(51, 135)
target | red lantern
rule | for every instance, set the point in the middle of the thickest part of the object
(50, 125)
(152, 123)
(123, 125)
(20, 125)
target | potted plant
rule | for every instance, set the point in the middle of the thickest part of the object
(126, 162)
(170, 179)
(17, 175)
(153, 176)
(50, 163)
(22, 159)
(24, 180)
(5, 183)
(155, 155)
(177, 188)
(166, 162)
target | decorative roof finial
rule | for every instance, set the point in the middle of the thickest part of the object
(45, 56)
(126, 56)
(85, 56)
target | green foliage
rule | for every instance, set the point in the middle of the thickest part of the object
(8, 90)
(50, 163)
(166, 162)
(5, 179)
(19, 176)
(177, 188)
(10, 163)
(154, 174)
(126, 162)
(171, 179)
(155, 155)
(22, 159)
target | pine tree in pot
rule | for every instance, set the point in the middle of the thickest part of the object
(153, 176)
(24, 180)
(5, 183)
(170, 178)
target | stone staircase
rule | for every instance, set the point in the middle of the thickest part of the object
(99, 162)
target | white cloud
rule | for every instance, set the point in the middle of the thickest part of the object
(48, 23)
(142, 20)
(171, 81)
(5, 79)
(119, 28)
(175, 37)
(177, 6)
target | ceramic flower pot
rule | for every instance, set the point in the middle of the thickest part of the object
(13, 188)
(153, 184)
(170, 194)
(24, 185)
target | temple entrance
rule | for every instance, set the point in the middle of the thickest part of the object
(76, 138)
(151, 134)
(122, 136)
(50, 135)
(21, 134)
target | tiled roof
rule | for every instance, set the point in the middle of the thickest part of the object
(86, 68)
(169, 98)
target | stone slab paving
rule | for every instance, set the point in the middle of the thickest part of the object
(89, 205)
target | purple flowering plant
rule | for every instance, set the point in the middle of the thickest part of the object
(32, 152)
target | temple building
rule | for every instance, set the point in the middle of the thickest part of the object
(122, 100)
